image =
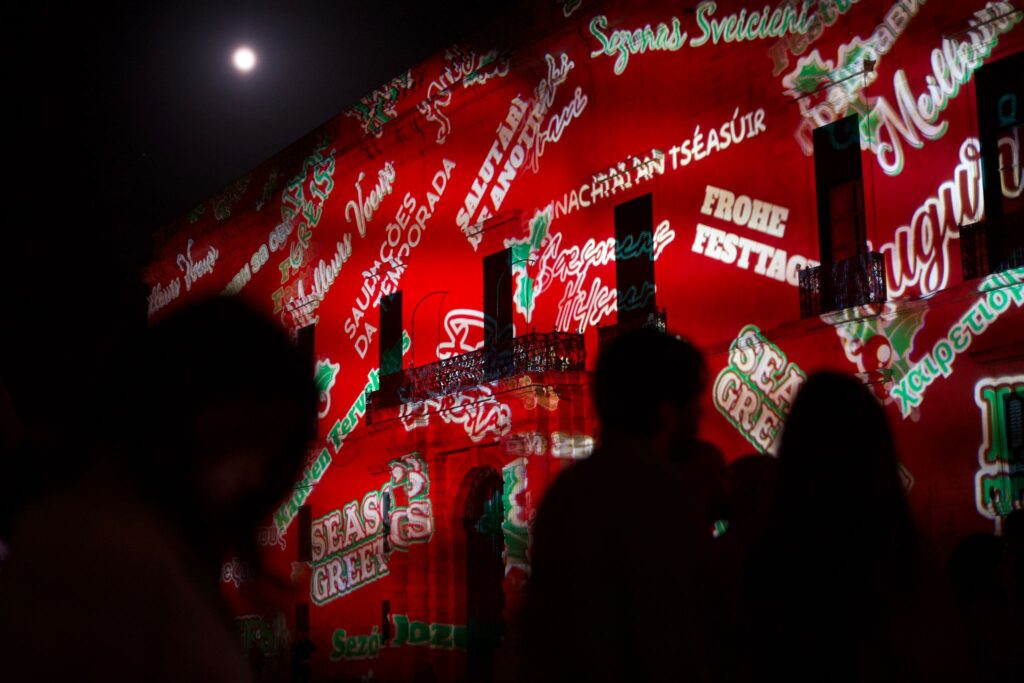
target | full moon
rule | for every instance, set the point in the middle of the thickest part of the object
(244, 59)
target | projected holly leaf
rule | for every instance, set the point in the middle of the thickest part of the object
(903, 330)
(810, 73)
(851, 56)
(901, 335)
(326, 372)
(870, 122)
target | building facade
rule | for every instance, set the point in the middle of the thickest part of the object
(794, 187)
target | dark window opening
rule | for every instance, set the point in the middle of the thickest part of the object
(1013, 409)
(839, 182)
(498, 299)
(634, 259)
(390, 348)
(997, 243)
(849, 275)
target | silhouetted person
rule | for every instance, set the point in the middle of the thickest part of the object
(302, 658)
(983, 573)
(216, 415)
(257, 659)
(749, 497)
(614, 592)
(838, 590)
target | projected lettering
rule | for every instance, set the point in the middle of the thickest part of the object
(235, 571)
(755, 391)
(730, 248)
(271, 536)
(303, 305)
(379, 107)
(795, 44)
(196, 269)
(348, 544)
(344, 646)
(622, 43)
(160, 296)
(302, 202)
(744, 211)
(571, 446)
(361, 209)
(918, 257)
(525, 444)
(346, 425)
(622, 176)
(476, 411)
(279, 235)
(563, 445)
(914, 117)
(521, 139)
(580, 306)
(669, 37)
(1001, 292)
(324, 376)
(999, 484)
(459, 324)
(315, 467)
(697, 147)
(401, 236)
(423, 634)
(755, 25)
(884, 127)
(635, 170)
(465, 68)
(813, 75)
(240, 280)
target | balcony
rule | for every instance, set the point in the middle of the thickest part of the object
(992, 245)
(855, 281)
(536, 353)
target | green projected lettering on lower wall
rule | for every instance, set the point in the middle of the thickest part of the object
(405, 632)
(999, 484)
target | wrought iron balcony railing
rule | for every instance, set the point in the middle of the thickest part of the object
(535, 352)
(992, 245)
(855, 281)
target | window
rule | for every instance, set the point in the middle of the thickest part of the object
(840, 190)
(390, 348)
(634, 259)
(849, 275)
(498, 299)
(998, 242)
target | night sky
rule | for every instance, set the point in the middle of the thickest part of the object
(150, 92)
(121, 118)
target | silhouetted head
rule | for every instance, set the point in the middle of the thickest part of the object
(979, 568)
(750, 487)
(647, 385)
(838, 471)
(1013, 531)
(221, 412)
